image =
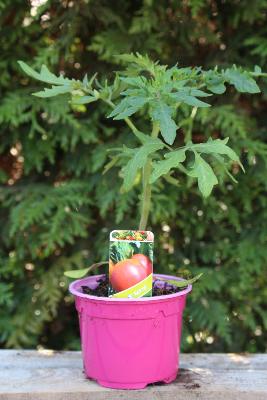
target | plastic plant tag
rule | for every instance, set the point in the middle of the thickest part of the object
(130, 263)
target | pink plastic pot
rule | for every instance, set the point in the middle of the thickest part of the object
(129, 343)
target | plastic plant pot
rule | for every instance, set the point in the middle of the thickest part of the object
(129, 343)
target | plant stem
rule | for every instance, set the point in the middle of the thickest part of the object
(146, 194)
(188, 133)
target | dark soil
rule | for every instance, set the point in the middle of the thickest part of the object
(165, 289)
(102, 289)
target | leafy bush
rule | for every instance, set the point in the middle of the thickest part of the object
(57, 207)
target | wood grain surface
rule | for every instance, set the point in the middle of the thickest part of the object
(51, 375)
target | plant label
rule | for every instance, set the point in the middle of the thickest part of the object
(130, 263)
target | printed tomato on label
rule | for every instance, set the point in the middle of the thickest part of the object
(145, 261)
(111, 266)
(127, 273)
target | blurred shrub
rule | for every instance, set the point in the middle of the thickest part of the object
(57, 208)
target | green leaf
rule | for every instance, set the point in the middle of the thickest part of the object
(204, 174)
(184, 282)
(163, 115)
(139, 160)
(221, 161)
(184, 96)
(199, 93)
(76, 273)
(148, 140)
(127, 107)
(45, 75)
(241, 80)
(214, 82)
(80, 273)
(84, 100)
(258, 72)
(257, 69)
(142, 61)
(217, 146)
(134, 81)
(164, 166)
(54, 91)
(217, 88)
(143, 137)
(124, 103)
(28, 70)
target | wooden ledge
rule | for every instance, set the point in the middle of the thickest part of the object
(49, 375)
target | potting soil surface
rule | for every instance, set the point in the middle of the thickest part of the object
(102, 289)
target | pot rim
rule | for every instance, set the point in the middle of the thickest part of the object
(75, 285)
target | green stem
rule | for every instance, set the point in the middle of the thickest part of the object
(188, 133)
(146, 195)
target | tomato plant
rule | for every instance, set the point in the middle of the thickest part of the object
(158, 91)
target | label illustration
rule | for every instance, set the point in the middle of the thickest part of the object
(130, 263)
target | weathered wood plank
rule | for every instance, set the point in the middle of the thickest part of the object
(48, 375)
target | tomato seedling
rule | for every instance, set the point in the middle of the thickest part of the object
(158, 93)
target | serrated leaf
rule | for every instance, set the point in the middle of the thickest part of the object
(133, 81)
(133, 92)
(53, 91)
(217, 146)
(124, 103)
(214, 82)
(163, 115)
(28, 70)
(127, 107)
(184, 97)
(44, 75)
(241, 80)
(142, 61)
(128, 112)
(163, 167)
(204, 174)
(138, 161)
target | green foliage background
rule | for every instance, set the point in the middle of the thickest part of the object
(56, 206)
